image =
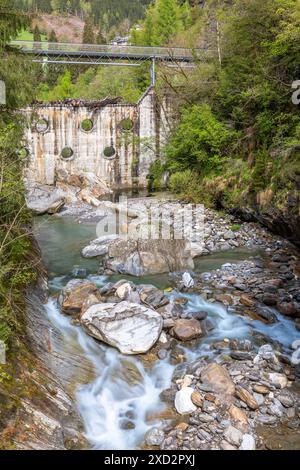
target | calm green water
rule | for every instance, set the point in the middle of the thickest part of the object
(61, 240)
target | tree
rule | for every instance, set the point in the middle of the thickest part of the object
(52, 36)
(164, 18)
(88, 32)
(37, 34)
(100, 38)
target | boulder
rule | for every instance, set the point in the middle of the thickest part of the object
(131, 328)
(98, 247)
(187, 330)
(147, 257)
(218, 379)
(183, 401)
(75, 295)
(43, 200)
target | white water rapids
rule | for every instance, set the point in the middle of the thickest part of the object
(116, 406)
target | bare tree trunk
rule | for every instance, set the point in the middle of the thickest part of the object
(219, 43)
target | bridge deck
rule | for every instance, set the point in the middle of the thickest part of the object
(92, 51)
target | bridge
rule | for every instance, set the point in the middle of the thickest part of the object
(92, 54)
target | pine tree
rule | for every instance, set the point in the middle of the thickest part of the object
(37, 34)
(88, 32)
(100, 38)
(52, 36)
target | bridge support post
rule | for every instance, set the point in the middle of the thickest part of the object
(153, 74)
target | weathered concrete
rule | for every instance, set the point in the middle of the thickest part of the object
(135, 149)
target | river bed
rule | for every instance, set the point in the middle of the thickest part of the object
(118, 397)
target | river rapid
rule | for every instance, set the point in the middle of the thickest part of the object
(118, 397)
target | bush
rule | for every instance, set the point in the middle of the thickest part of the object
(200, 142)
(187, 185)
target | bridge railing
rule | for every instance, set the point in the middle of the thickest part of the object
(103, 50)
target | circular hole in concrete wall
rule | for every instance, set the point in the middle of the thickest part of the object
(67, 153)
(109, 152)
(126, 124)
(87, 125)
(23, 153)
(42, 125)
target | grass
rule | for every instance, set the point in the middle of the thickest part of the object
(27, 36)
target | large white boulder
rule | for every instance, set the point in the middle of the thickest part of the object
(129, 327)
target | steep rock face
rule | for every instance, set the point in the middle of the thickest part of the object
(45, 417)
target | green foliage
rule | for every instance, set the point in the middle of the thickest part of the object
(199, 142)
(88, 32)
(164, 19)
(260, 178)
(156, 173)
(186, 185)
(15, 274)
(235, 228)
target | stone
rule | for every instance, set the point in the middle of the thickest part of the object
(187, 281)
(270, 299)
(187, 330)
(45, 200)
(148, 257)
(246, 397)
(98, 247)
(278, 380)
(289, 309)
(286, 400)
(218, 379)
(259, 398)
(131, 328)
(262, 389)
(152, 296)
(75, 294)
(197, 399)
(124, 291)
(276, 409)
(247, 301)
(233, 435)
(200, 315)
(154, 437)
(267, 419)
(248, 442)
(237, 414)
(183, 401)
(226, 446)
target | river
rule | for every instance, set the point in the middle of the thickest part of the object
(118, 397)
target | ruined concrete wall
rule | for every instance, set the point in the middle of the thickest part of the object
(135, 150)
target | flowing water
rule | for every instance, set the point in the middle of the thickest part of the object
(119, 399)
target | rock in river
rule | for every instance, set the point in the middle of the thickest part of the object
(186, 330)
(218, 378)
(131, 328)
(75, 294)
(183, 401)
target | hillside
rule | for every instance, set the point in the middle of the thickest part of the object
(67, 28)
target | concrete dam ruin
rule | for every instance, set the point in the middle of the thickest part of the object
(115, 142)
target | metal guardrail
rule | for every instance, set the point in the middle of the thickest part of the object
(49, 49)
